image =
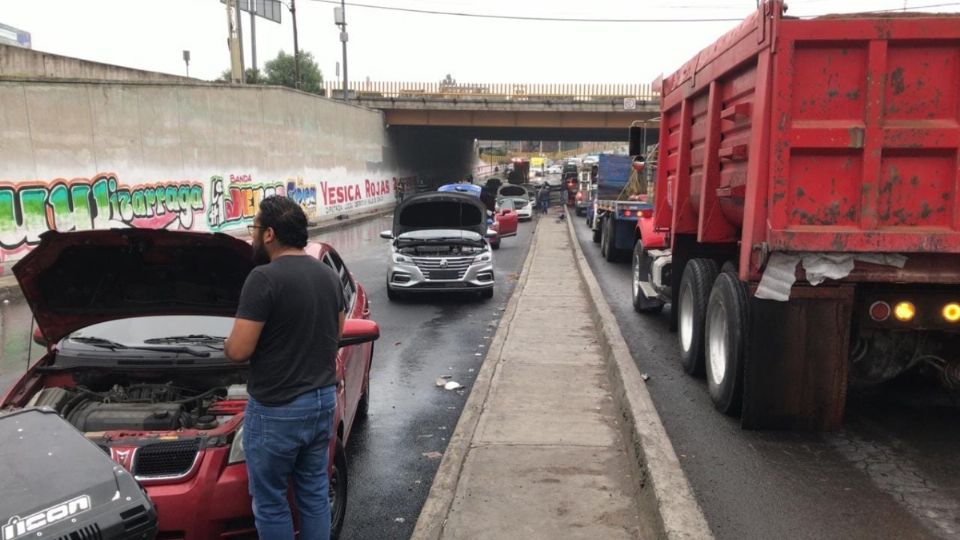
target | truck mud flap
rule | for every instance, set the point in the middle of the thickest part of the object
(795, 374)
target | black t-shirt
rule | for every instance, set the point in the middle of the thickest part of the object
(300, 300)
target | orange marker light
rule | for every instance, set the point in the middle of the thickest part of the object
(951, 312)
(905, 311)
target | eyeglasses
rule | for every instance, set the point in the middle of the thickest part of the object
(251, 228)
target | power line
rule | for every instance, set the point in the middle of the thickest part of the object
(587, 20)
(525, 18)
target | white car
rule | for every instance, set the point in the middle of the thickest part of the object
(521, 205)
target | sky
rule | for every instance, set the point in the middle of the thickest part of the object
(398, 46)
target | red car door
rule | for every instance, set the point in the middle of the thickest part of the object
(507, 220)
(353, 358)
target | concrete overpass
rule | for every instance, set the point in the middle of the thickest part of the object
(581, 112)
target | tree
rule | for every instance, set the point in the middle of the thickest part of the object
(280, 71)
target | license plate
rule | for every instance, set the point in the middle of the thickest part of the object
(444, 274)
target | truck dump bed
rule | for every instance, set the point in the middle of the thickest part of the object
(836, 134)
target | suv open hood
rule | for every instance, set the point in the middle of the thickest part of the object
(75, 279)
(439, 210)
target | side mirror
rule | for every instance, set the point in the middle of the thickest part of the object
(386, 235)
(491, 234)
(357, 331)
(38, 337)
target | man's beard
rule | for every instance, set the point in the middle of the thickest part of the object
(260, 255)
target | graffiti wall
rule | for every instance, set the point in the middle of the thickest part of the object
(222, 202)
(106, 154)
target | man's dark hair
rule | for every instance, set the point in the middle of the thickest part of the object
(286, 218)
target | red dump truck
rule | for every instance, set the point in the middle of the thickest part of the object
(806, 224)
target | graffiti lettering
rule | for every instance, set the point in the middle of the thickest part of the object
(29, 210)
(237, 202)
(339, 194)
(375, 189)
(304, 195)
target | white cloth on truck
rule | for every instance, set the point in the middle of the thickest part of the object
(780, 273)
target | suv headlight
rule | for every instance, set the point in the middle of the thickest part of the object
(483, 257)
(399, 258)
(237, 455)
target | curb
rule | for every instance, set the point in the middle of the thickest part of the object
(433, 515)
(9, 287)
(664, 491)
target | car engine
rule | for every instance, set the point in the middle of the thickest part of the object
(143, 406)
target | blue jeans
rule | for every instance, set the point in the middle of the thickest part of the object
(284, 442)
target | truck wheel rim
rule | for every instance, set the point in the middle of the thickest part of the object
(636, 276)
(686, 317)
(717, 344)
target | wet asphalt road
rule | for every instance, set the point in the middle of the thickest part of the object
(891, 473)
(421, 339)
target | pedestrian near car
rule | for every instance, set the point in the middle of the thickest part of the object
(544, 197)
(288, 325)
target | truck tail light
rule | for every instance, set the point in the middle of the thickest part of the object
(627, 213)
(646, 213)
(951, 312)
(880, 311)
(904, 311)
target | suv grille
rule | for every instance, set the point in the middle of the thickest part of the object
(433, 267)
(174, 458)
(135, 518)
(90, 532)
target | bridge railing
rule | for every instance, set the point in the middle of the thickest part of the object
(503, 91)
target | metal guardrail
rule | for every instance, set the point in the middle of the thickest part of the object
(504, 91)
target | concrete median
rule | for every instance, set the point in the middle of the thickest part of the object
(557, 439)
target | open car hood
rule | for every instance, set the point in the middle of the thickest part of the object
(512, 191)
(75, 279)
(439, 210)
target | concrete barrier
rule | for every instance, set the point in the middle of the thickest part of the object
(83, 155)
(664, 489)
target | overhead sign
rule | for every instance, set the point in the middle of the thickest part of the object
(268, 9)
(629, 103)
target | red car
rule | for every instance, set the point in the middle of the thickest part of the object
(134, 321)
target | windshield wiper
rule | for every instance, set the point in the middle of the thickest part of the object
(203, 339)
(113, 346)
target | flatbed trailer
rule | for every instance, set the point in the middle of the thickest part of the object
(806, 226)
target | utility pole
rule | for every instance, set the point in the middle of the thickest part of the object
(296, 45)
(340, 19)
(236, 68)
(237, 12)
(253, 37)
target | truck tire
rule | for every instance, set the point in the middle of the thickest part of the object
(609, 239)
(726, 329)
(695, 285)
(641, 272)
(597, 231)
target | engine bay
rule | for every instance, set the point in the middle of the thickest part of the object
(442, 250)
(97, 404)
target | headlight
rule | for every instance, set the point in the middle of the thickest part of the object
(483, 257)
(237, 455)
(398, 258)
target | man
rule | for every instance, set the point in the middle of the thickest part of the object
(544, 196)
(288, 325)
